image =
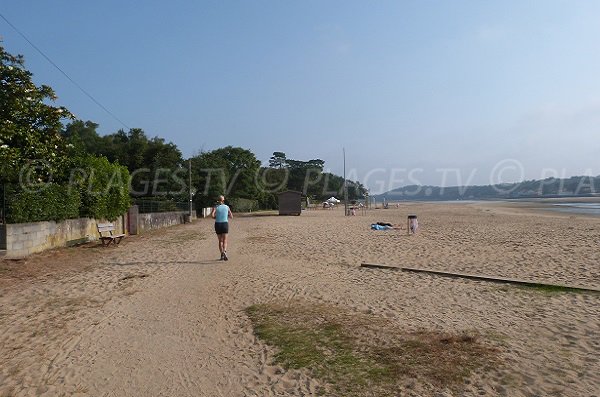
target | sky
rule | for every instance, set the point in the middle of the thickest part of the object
(427, 92)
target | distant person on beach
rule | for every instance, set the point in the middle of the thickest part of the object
(221, 214)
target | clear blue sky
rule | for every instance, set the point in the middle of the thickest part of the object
(425, 86)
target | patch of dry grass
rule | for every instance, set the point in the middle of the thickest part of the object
(362, 355)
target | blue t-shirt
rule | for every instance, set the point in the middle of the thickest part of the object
(222, 213)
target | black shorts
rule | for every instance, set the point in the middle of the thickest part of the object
(222, 227)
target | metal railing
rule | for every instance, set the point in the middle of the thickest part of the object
(148, 206)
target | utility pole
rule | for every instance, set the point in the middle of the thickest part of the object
(190, 179)
(345, 186)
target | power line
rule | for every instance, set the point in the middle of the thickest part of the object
(63, 72)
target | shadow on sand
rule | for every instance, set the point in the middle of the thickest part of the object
(133, 263)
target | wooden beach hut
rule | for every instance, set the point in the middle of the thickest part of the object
(290, 203)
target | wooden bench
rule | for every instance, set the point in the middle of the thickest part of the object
(110, 238)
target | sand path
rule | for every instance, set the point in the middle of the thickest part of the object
(154, 318)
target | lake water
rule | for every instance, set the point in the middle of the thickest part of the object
(578, 208)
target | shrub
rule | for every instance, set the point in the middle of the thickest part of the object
(97, 189)
(243, 205)
(104, 188)
(51, 202)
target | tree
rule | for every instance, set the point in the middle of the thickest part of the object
(155, 165)
(231, 171)
(34, 148)
(278, 160)
(166, 168)
(83, 136)
(307, 177)
(30, 128)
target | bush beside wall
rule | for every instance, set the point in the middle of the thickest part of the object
(104, 188)
(51, 202)
(97, 189)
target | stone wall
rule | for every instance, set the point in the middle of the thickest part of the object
(23, 239)
(157, 220)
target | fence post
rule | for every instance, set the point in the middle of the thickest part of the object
(132, 219)
(3, 207)
(3, 218)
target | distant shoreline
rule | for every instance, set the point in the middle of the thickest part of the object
(585, 197)
(575, 208)
(582, 205)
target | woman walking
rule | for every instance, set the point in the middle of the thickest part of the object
(222, 213)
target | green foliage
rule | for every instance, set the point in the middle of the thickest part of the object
(156, 167)
(316, 164)
(48, 202)
(104, 187)
(83, 137)
(56, 181)
(29, 126)
(303, 176)
(32, 135)
(278, 160)
(273, 181)
(230, 171)
(243, 205)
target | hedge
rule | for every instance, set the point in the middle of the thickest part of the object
(104, 188)
(243, 205)
(97, 189)
(50, 202)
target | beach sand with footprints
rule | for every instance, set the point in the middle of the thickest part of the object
(159, 315)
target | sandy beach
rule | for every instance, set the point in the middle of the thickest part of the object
(159, 315)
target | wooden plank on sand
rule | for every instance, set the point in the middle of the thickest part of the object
(480, 277)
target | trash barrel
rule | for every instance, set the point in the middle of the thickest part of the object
(412, 224)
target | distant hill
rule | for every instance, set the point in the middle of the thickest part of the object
(550, 187)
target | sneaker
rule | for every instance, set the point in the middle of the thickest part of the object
(225, 258)
(222, 256)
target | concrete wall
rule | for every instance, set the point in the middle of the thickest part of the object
(207, 212)
(157, 220)
(23, 239)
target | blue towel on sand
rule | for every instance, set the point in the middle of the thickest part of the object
(375, 226)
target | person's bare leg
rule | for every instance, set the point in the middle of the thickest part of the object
(220, 238)
(225, 246)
